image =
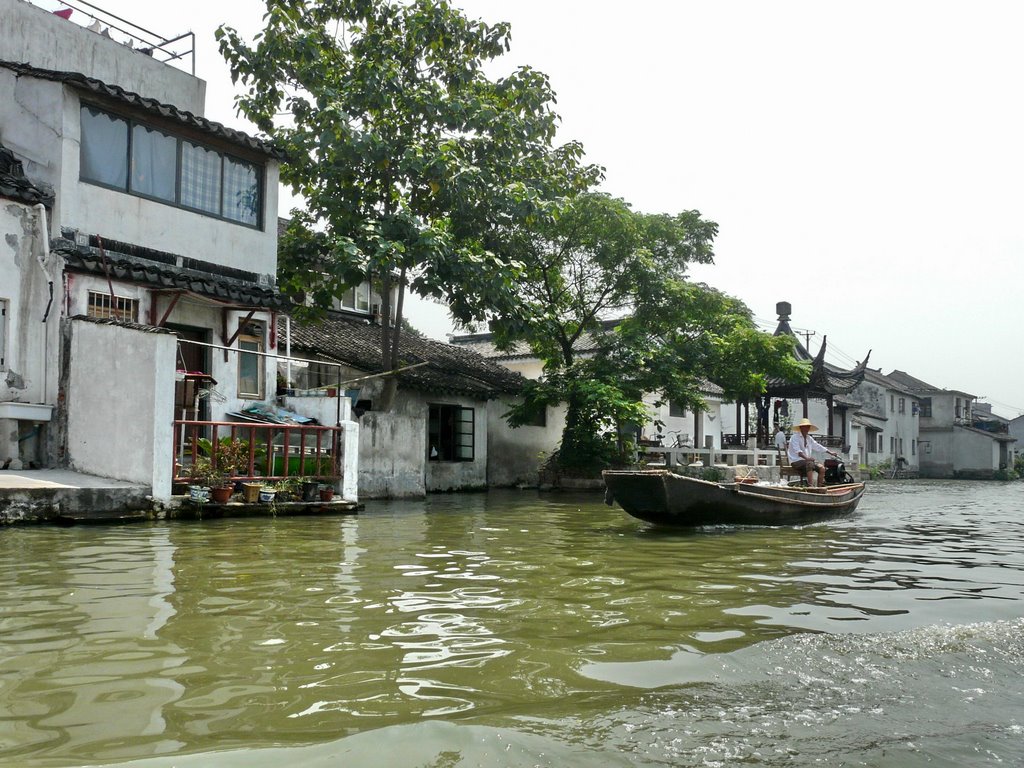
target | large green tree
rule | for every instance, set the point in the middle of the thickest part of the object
(416, 168)
(606, 304)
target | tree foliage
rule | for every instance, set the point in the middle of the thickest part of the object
(599, 259)
(415, 167)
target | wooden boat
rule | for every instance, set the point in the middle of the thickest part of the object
(663, 497)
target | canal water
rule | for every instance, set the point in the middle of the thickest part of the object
(521, 629)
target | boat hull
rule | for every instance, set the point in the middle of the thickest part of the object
(665, 498)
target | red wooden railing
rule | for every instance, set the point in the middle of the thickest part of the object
(275, 451)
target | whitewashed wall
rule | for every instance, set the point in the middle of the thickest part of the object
(40, 122)
(119, 398)
(516, 455)
(29, 371)
(29, 34)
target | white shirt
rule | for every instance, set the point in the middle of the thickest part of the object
(799, 443)
(780, 440)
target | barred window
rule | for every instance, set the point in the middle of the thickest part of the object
(112, 307)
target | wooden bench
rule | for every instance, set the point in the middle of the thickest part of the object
(787, 470)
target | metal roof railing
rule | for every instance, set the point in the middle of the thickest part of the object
(170, 50)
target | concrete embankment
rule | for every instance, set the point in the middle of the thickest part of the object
(62, 496)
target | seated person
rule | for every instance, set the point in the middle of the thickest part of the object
(801, 453)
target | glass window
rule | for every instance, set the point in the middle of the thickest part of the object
(250, 366)
(104, 148)
(450, 433)
(926, 406)
(241, 191)
(146, 161)
(154, 163)
(200, 178)
(357, 298)
(676, 409)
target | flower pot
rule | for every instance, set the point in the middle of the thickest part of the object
(221, 494)
(326, 492)
(251, 492)
(310, 491)
(267, 495)
(198, 493)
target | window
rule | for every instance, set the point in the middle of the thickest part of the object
(200, 178)
(881, 443)
(104, 149)
(676, 409)
(926, 406)
(892, 405)
(450, 433)
(892, 445)
(357, 298)
(538, 418)
(137, 158)
(241, 192)
(113, 307)
(154, 163)
(250, 365)
(903, 405)
(913, 447)
(3, 334)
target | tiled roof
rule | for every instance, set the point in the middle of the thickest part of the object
(14, 185)
(483, 344)
(450, 369)
(916, 385)
(142, 271)
(98, 88)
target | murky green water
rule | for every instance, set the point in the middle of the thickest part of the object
(516, 629)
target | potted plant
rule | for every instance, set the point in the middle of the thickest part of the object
(327, 489)
(231, 454)
(310, 488)
(203, 477)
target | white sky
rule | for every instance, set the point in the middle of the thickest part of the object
(864, 160)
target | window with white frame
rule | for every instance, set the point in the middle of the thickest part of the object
(251, 362)
(105, 306)
(142, 160)
(357, 298)
(450, 434)
(903, 405)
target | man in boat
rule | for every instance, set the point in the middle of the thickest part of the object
(801, 453)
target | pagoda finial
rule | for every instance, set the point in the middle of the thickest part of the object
(784, 309)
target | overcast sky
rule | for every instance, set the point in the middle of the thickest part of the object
(864, 161)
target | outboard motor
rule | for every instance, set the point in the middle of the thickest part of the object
(835, 472)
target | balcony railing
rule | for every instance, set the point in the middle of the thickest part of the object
(275, 451)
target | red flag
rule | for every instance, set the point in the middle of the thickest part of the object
(64, 14)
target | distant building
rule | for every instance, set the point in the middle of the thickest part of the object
(954, 440)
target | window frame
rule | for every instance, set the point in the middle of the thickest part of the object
(126, 311)
(252, 333)
(925, 407)
(127, 188)
(462, 447)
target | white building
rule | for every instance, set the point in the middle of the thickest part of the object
(517, 454)
(886, 423)
(954, 441)
(159, 245)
